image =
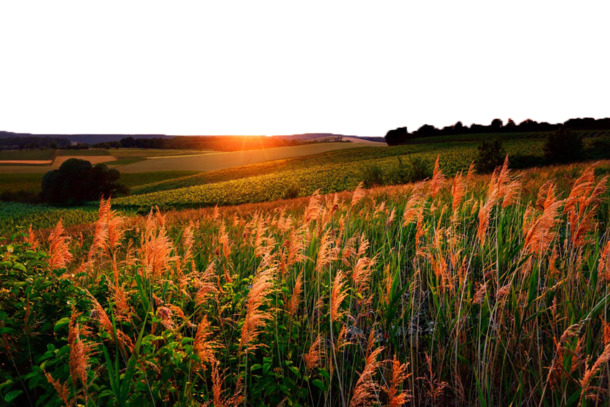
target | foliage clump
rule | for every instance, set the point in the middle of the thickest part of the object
(490, 154)
(77, 181)
(563, 146)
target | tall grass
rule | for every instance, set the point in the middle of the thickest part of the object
(476, 290)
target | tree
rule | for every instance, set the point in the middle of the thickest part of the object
(490, 155)
(427, 130)
(77, 181)
(397, 136)
(496, 125)
(458, 127)
(563, 146)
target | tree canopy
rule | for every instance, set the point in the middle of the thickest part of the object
(77, 181)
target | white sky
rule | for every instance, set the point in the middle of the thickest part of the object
(285, 67)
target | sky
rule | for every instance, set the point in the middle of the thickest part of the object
(288, 67)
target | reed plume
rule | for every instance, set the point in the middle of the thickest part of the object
(98, 313)
(115, 227)
(62, 389)
(546, 195)
(359, 194)
(414, 205)
(361, 274)
(326, 253)
(313, 208)
(349, 250)
(203, 345)
(438, 178)
(293, 303)
(590, 374)
(217, 382)
(314, 355)
(603, 268)
(366, 389)
(206, 284)
(225, 243)
(485, 214)
(471, 173)
(399, 375)
(458, 189)
(100, 233)
(337, 296)
(59, 252)
(31, 239)
(556, 370)
(120, 297)
(435, 387)
(80, 352)
(187, 243)
(155, 251)
(541, 233)
(256, 317)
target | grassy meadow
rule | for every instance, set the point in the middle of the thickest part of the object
(473, 290)
(291, 282)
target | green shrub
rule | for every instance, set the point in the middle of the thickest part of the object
(490, 154)
(372, 175)
(600, 148)
(292, 192)
(563, 146)
(411, 170)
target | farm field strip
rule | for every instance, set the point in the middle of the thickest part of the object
(221, 160)
(266, 187)
(26, 162)
(93, 159)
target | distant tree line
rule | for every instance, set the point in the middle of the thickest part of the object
(402, 136)
(31, 143)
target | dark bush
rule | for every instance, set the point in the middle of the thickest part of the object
(525, 161)
(563, 146)
(292, 192)
(77, 181)
(372, 175)
(600, 148)
(411, 170)
(490, 155)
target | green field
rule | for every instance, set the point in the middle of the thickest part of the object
(27, 154)
(329, 171)
(31, 181)
(210, 161)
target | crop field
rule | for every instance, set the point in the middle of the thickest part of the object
(356, 158)
(38, 155)
(12, 182)
(31, 181)
(476, 290)
(331, 171)
(209, 161)
(123, 153)
(93, 159)
(344, 172)
(82, 152)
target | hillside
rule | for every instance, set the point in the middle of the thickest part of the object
(293, 299)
